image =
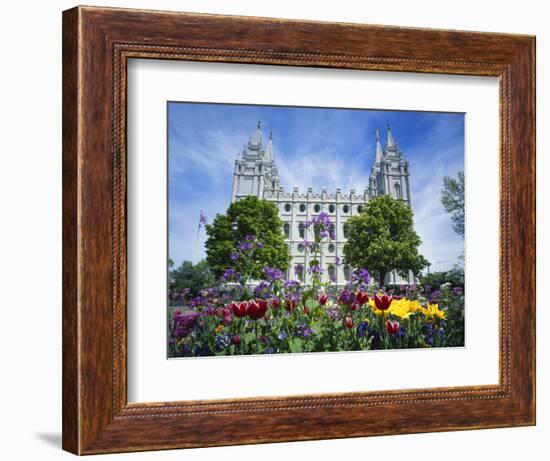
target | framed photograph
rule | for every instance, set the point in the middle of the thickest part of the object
(281, 230)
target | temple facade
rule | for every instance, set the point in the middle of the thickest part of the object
(256, 174)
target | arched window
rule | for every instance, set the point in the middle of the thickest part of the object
(302, 207)
(301, 247)
(286, 228)
(347, 273)
(331, 208)
(331, 248)
(287, 207)
(345, 208)
(317, 208)
(302, 230)
(397, 189)
(346, 230)
(359, 208)
(332, 273)
(299, 271)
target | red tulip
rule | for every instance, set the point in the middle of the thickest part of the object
(239, 309)
(382, 302)
(323, 299)
(256, 309)
(306, 310)
(361, 297)
(290, 304)
(263, 304)
(348, 322)
(354, 306)
(236, 339)
(392, 327)
(275, 303)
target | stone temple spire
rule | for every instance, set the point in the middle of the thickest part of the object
(390, 143)
(378, 157)
(256, 140)
(269, 148)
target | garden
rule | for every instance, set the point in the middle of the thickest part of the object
(253, 307)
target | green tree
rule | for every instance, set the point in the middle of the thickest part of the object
(381, 238)
(195, 277)
(248, 216)
(452, 199)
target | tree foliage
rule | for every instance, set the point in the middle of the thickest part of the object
(381, 238)
(194, 277)
(248, 216)
(452, 199)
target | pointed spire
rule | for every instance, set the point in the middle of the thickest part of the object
(256, 140)
(378, 156)
(269, 148)
(389, 140)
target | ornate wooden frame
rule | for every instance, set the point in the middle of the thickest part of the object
(97, 43)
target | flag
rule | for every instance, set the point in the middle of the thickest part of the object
(203, 220)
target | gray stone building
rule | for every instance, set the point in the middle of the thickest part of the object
(256, 174)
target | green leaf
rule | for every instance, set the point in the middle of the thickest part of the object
(295, 345)
(312, 303)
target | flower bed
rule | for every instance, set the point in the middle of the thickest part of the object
(286, 317)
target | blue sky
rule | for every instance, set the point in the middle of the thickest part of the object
(313, 147)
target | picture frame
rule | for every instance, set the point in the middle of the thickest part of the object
(97, 44)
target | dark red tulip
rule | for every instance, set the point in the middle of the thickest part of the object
(275, 303)
(354, 306)
(306, 310)
(323, 299)
(256, 309)
(263, 304)
(383, 302)
(361, 297)
(348, 322)
(236, 339)
(392, 327)
(239, 309)
(290, 304)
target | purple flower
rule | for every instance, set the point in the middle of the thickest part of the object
(230, 275)
(304, 330)
(198, 301)
(272, 273)
(234, 256)
(362, 329)
(436, 295)
(315, 269)
(338, 260)
(184, 323)
(222, 341)
(289, 284)
(363, 275)
(334, 313)
(347, 297)
(458, 290)
(262, 289)
(282, 336)
(244, 246)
